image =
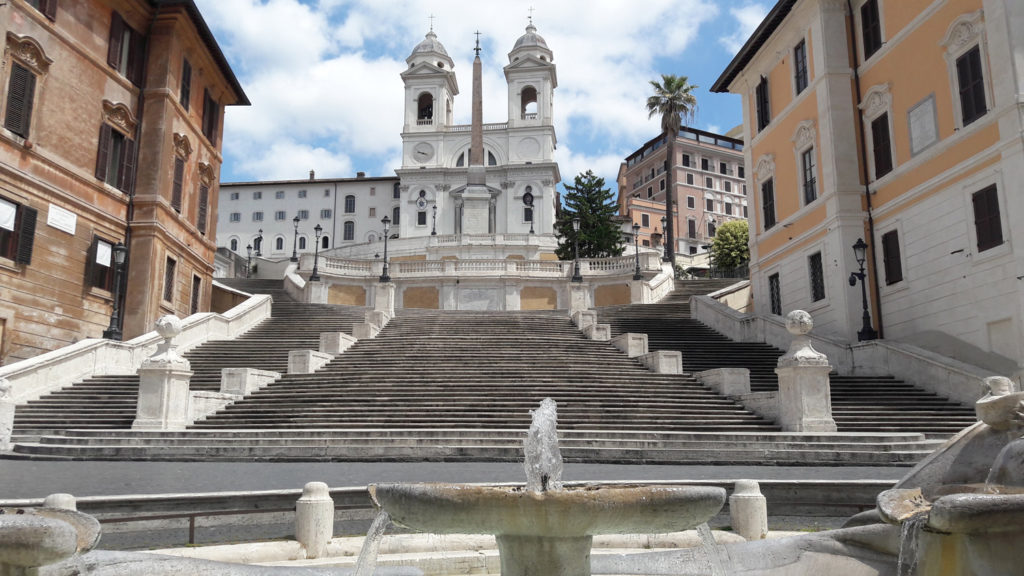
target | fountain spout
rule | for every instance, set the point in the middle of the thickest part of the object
(543, 459)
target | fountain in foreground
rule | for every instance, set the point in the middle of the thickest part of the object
(544, 528)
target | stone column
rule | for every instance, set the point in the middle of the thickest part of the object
(163, 383)
(805, 401)
(6, 415)
(314, 519)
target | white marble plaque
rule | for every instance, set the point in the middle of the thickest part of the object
(61, 219)
(478, 299)
(921, 120)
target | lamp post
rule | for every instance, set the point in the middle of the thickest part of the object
(664, 247)
(636, 250)
(860, 253)
(576, 277)
(295, 239)
(259, 244)
(387, 226)
(248, 259)
(314, 277)
(113, 332)
(433, 222)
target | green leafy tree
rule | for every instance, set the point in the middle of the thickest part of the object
(674, 101)
(595, 205)
(731, 245)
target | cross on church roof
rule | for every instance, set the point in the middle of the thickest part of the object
(431, 17)
(477, 49)
(531, 14)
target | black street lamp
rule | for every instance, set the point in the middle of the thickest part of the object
(576, 277)
(113, 332)
(387, 226)
(248, 259)
(259, 244)
(664, 247)
(860, 253)
(314, 277)
(433, 223)
(636, 250)
(295, 239)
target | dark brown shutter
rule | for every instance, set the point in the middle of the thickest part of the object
(90, 262)
(126, 170)
(882, 148)
(987, 225)
(186, 84)
(48, 8)
(26, 234)
(116, 34)
(179, 176)
(204, 198)
(103, 151)
(137, 59)
(891, 257)
(20, 95)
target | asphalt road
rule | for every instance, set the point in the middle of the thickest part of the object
(37, 479)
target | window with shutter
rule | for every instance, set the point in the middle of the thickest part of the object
(871, 28)
(764, 115)
(987, 225)
(817, 274)
(891, 257)
(125, 49)
(47, 7)
(185, 93)
(17, 231)
(768, 203)
(201, 212)
(115, 159)
(971, 84)
(881, 145)
(197, 285)
(211, 115)
(691, 228)
(99, 264)
(775, 294)
(179, 177)
(20, 95)
(168, 291)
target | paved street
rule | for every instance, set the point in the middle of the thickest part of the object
(36, 479)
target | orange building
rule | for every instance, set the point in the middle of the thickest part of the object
(709, 187)
(897, 122)
(112, 115)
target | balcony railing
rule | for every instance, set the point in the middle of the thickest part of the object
(424, 121)
(482, 268)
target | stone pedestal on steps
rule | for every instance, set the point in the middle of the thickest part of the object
(6, 415)
(316, 292)
(384, 298)
(579, 297)
(335, 343)
(245, 381)
(306, 361)
(805, 397)
(163, 384)
(631, 344)
(663, 361)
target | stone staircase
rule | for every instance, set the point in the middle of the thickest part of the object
(107, 402)
(274, 288)
(859, 403)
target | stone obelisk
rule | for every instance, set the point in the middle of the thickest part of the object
(476, 208)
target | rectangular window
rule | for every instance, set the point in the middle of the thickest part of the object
(257, 216)
(693, 250)
(800, 66)
(349, 231)
(20, 95)
(711, 229)
(279, 195)
(373, 191)
(17, 231)
(891, 257)
(704, 164)
(125, 49)
(421, 218)
(971, 85)
(764, 115)
(280, 215)
(115, 159)
(396, 192)
(817, 274)
(709, 205)
(987, 225)
(709, 183)
(728, 186)
(768, 203)
(197, 284)
(527, 213)
(745, 211)
(691, 202)
(809, 176)
(303, 214)
(775, 294)
(723, 168)
(211, 117)
(645, 220)
(650, 191)
(686, 160)
(203, 209)
(327, 192)
(728, 208)
(257, 195)
(881, 145)
(325, 214)
(236, 216)
(177, 183)
(168, 292)
(350, 204)
(99, 265)
(47, 7)
(741, 172)
(185, 91)
(691, 228)
(871, 28)
(234, 195)
(373, 212)
(689, 179)
(661, 185)
(302, 193)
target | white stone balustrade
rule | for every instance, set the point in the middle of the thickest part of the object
(727, 381)
(631, 344)
(483, 267)
(663, 361)
(335, 343)
(805, 401)
(306, 361)
(163, 402)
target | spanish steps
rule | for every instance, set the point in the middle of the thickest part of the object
(459, 385)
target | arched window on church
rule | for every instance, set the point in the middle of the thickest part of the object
(528, 103)
(461, 161)
(234, 244)
(394, 216)
(302, 242)
(325, 243)
(491, 160)
(350, 231)
(279, 244)
(425, 109)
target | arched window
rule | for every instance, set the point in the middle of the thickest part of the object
(350, 204)
(279, 244)
(302, 242)
(491, 160)
(396, 192)
(461, 161)
(325, 243)
(257, 244)
(350, 230)
(425, 108)
(394, 216)
(234, 244)
(528, 103)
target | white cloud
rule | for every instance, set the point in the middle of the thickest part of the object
(747, 17)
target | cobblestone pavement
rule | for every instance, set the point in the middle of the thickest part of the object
(36, 479)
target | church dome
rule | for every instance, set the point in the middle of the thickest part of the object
(531, 39)
(428, 45)
(431, 51)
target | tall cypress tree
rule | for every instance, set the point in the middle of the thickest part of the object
(599, 235)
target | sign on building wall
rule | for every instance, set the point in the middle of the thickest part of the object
(62, 219)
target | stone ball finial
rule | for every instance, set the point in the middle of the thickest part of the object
(168, 326)
(799, 323)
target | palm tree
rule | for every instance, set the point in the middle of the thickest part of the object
(674, 101)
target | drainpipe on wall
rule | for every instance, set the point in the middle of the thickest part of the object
(864, 171)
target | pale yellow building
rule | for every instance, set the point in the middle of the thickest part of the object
(899, 122)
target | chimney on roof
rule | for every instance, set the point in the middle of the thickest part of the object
(360, 174)
(312, 175)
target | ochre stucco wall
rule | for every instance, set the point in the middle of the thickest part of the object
(611, 295)
(421, 297)
(346, 295)
(538, 298)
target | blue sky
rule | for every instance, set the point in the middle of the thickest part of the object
(323, 76)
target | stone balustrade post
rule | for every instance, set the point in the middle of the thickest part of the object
(314, 519)
(6, 415)
(316, 292)
(335, 343)
(384, 298)
(805, 397)
(163, 383)
(748, 510)
(306, 361)
(578, 297)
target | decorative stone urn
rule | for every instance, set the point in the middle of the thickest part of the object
(805, 397)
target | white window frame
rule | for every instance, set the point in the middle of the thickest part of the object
(877, 101)
(880, 231)
(967, 189)
(813, 305)
(963, 34)
(859, 31)
(807, 61)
